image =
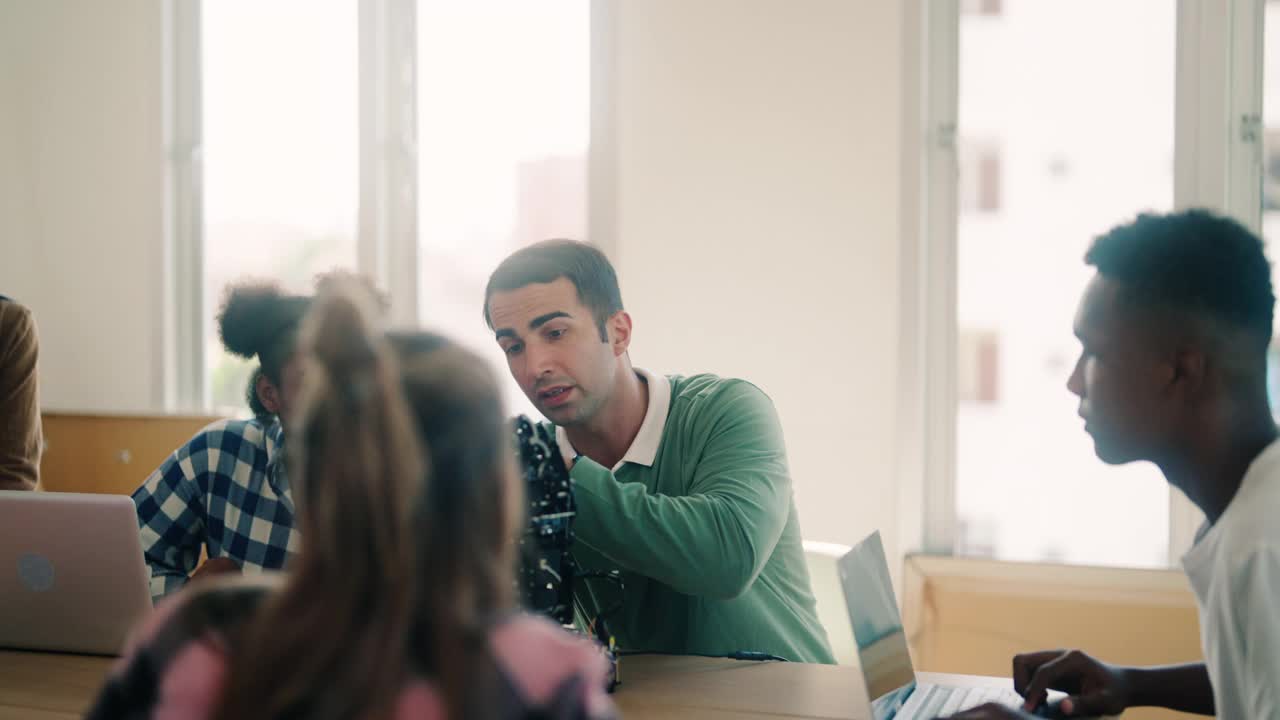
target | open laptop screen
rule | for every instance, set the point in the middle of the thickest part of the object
(72, 575)
(877, 626)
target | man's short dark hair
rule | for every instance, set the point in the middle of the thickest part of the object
(1193, 260)
(586, 267)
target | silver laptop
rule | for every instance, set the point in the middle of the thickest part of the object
(72, 575)
(882, 646)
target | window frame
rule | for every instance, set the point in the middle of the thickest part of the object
(179, 350)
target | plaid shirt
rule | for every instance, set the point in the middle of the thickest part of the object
(225, 489)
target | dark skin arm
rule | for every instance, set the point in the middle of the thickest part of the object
(1096, 688)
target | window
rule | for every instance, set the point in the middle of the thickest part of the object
(979, 177)
(977, 367)
(280, 155)
(503, 125)
(1055, 146)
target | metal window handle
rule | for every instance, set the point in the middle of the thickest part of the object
(1250, 128)
(945, 136)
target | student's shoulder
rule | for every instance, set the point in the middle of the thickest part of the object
(17, 323)
(708, 386)
(221, 432)
(207, 607)
(712, 393)
(1248, 541)
(14, 312)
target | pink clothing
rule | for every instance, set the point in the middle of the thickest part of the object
(535, 654)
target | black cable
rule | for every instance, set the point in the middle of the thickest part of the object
(612, 576)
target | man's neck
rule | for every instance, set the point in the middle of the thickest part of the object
(1213, 470)
(610, 433)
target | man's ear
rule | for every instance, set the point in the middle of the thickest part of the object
(620, 332)
(268, 395)
(1188, 371)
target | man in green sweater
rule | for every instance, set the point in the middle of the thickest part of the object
(681, 482)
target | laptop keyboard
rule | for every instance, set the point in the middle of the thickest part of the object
(943, 701)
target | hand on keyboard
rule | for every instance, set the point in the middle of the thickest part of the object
(974, 702)
(1094, 687)
(993, 711)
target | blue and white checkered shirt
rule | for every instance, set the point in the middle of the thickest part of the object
(226, 489)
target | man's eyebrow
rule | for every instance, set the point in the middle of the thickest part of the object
(544, 319)
(505, 333)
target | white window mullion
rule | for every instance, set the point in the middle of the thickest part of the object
(926, 457)
(940, 275)
(388, 235)
(1244, 141)
(181, 380)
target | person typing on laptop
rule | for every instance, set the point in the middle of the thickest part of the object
(1175, 328)
(681, 482)
(226, 489)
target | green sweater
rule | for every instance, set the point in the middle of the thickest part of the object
(707, 539)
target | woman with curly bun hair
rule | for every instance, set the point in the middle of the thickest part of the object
(226, 489)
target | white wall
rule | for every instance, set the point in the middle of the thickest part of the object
(755, 153)
(80, 193)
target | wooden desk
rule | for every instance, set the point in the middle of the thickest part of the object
(50, 686)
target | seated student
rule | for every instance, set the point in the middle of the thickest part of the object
(226, 490)
(1175, 328)
(682, 482)
(400, 603)
(20, 433)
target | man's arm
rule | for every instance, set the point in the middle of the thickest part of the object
(20, 432)
(171, 518)
(714, 541)
(1184, 688)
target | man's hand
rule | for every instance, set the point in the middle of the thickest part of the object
(1092, 687)
(992, 711)
(216, 566)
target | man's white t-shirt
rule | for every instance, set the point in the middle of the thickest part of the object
(1234, 568)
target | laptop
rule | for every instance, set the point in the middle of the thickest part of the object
(72, 574)
(890, 678)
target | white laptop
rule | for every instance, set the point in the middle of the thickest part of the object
(882, 647)
(72, 575)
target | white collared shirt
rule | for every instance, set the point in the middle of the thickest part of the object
(644, 448)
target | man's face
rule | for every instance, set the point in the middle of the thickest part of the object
(1123, 380)
(554, 350)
